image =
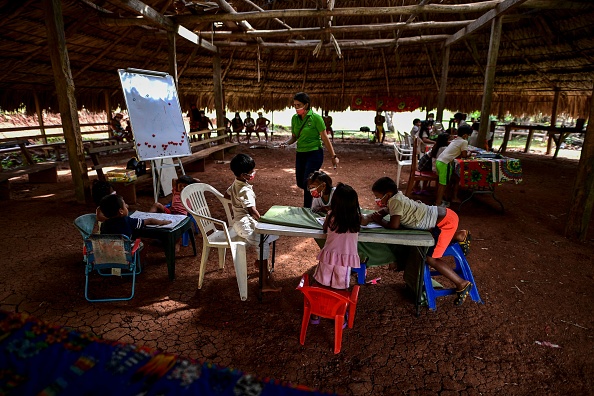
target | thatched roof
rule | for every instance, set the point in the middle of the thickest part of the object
(268, 51)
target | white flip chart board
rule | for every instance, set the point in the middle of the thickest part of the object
(155, 114)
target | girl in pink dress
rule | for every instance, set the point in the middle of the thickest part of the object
(342, 225)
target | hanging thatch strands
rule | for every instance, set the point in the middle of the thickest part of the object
(336, 46)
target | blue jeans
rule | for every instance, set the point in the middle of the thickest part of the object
(305, 164)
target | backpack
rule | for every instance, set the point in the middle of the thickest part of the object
(138, 166)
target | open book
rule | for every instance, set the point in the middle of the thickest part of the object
(175, 218)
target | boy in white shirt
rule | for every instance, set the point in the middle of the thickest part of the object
(245, 214)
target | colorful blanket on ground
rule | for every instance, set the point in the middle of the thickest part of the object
(37, 358)
(486, 172)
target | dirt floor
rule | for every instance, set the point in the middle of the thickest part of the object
(532, 335)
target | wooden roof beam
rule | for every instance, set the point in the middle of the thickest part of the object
(261, 10)
(311, 44)
(484, 20)
(335, 29)
(352, 11)
(165, 22)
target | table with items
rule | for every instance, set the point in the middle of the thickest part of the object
(481, 174)
(381, 246)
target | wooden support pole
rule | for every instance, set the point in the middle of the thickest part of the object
(39, 112)
(218, 93)
(496, 27)
(554, 120)
(107, 99)
(445, 64)
(172, 56)
(65, 91)
(582, 202)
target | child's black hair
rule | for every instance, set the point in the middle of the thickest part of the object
(383, 185)
(242, 163)
(321, 177)
(111, 204)
(345, 213)
(100, 189)
(442, 141)
(416, 120)
(187, 180)
(464, 129)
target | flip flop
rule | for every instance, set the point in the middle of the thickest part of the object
(465, 244)
(346, 320)
(462, 294)
(314, 321)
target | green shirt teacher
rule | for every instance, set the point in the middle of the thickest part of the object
(309, 131)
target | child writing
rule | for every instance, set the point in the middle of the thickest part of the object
(245, 215)
(405, 212)
(320, 187)
(176, 207)
(339, 253)
(115, 210)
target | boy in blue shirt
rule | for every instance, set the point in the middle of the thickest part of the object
(115, 210)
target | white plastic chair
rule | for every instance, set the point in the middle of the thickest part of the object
(216, 233)
(403, 158)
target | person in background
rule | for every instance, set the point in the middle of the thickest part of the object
(115, 210)
(405, 212)
(262, 126)
(424, 138)
(194, 122)
(250, 126)
(237, 125)
(176, 206)
(245, 215)
(309, 131)
(328, 122)
(427, 161)
(380, 132)
(228, 128)
(203, 125)
(320, 187)
(414, 132)
(117, 131)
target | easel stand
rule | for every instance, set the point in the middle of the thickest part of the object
(163, 173)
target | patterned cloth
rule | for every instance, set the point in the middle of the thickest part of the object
(41, 359)
(486, 172)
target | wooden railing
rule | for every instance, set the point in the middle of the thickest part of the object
(43, 137)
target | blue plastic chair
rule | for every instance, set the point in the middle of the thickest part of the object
(361, 273)
(462, 269)
(85, 225)
(115, 253)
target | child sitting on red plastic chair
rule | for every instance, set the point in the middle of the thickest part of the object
(176, 206)
(339, 254)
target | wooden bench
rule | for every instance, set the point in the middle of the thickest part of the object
(40, 172)
(197, 161)
(125, 189)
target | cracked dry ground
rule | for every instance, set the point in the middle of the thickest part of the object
(536, 285)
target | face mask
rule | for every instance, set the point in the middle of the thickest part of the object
(378, 202)
(250, 176)
(314, 192)
(301, 111)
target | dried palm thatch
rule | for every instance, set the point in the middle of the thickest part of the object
(332, 49)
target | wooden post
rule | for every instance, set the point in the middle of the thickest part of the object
(445, 64)
(582, 202)
(553, 120)
(218, 93)
(108, 112)
(496, 26)
(39, 111)
(171, 52)
(65, 90)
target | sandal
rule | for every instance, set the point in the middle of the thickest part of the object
(462, 294)
(465, 244)
(315, 321)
